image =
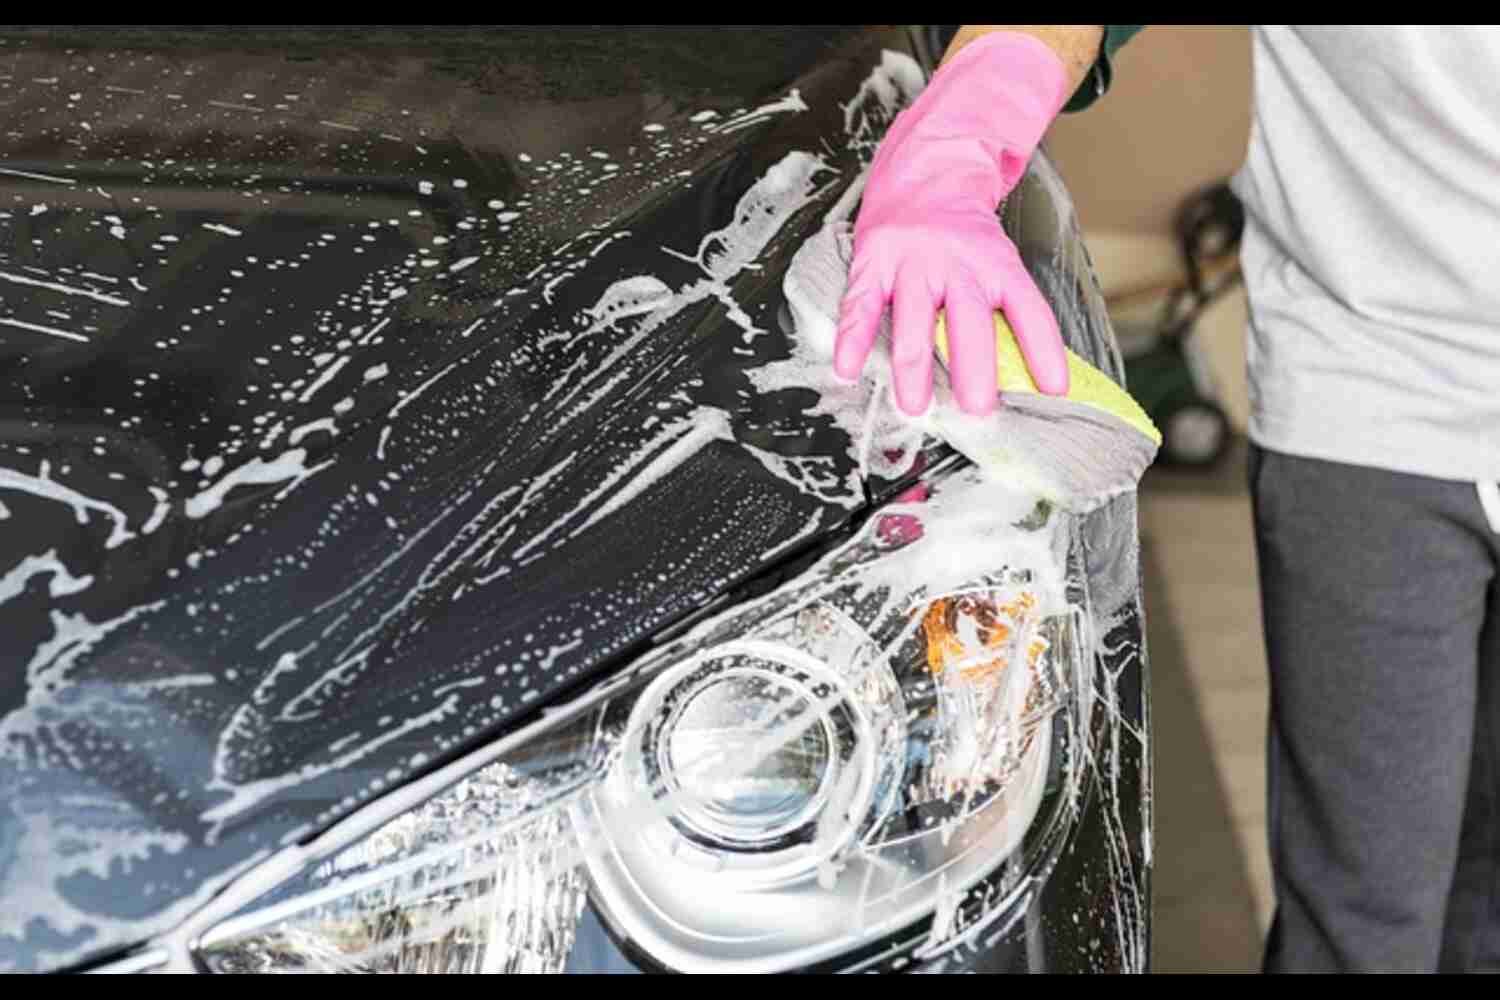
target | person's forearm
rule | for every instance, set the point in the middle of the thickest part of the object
(1077, 45)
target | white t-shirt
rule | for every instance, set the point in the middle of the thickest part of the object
(1372, 247)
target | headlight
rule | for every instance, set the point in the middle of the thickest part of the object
(885, 748)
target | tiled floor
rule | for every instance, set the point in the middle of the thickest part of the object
(1212, 882)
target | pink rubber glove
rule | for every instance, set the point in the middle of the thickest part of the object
(928, 236)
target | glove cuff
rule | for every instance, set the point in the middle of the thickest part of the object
(982, 115)
(1004, 88)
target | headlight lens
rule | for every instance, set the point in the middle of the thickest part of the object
(886, 742)
(768, 799)
(734, 759)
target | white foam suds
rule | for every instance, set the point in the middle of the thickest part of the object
(49, 331)
(789, 104)
(109, 300)
(895, 83)
(47, 673)
(612, 237)
(159, 514)
(257, 471)
(630, 297)
(760, 213)
(62, 584)
(42, 486)
(243, 796)
(322, 424)
(685, 439)
(324, 378)
(49, 178)
(408, 398)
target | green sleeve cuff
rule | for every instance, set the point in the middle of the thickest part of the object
(1096, 82)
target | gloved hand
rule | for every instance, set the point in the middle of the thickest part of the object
(928, 236)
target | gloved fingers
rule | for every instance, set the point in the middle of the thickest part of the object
(971, 349)
(1036, 331)
(914, 315)
(859, 323)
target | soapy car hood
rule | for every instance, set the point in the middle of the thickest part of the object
(362, 395)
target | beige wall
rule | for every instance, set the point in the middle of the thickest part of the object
(1177, 117)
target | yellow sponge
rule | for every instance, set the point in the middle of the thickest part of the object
(1086, 384)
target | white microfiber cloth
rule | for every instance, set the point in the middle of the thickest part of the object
(1078, 451)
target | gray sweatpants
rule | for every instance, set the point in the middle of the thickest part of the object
(1382, 621)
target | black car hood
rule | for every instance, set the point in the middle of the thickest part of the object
(360, 395)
